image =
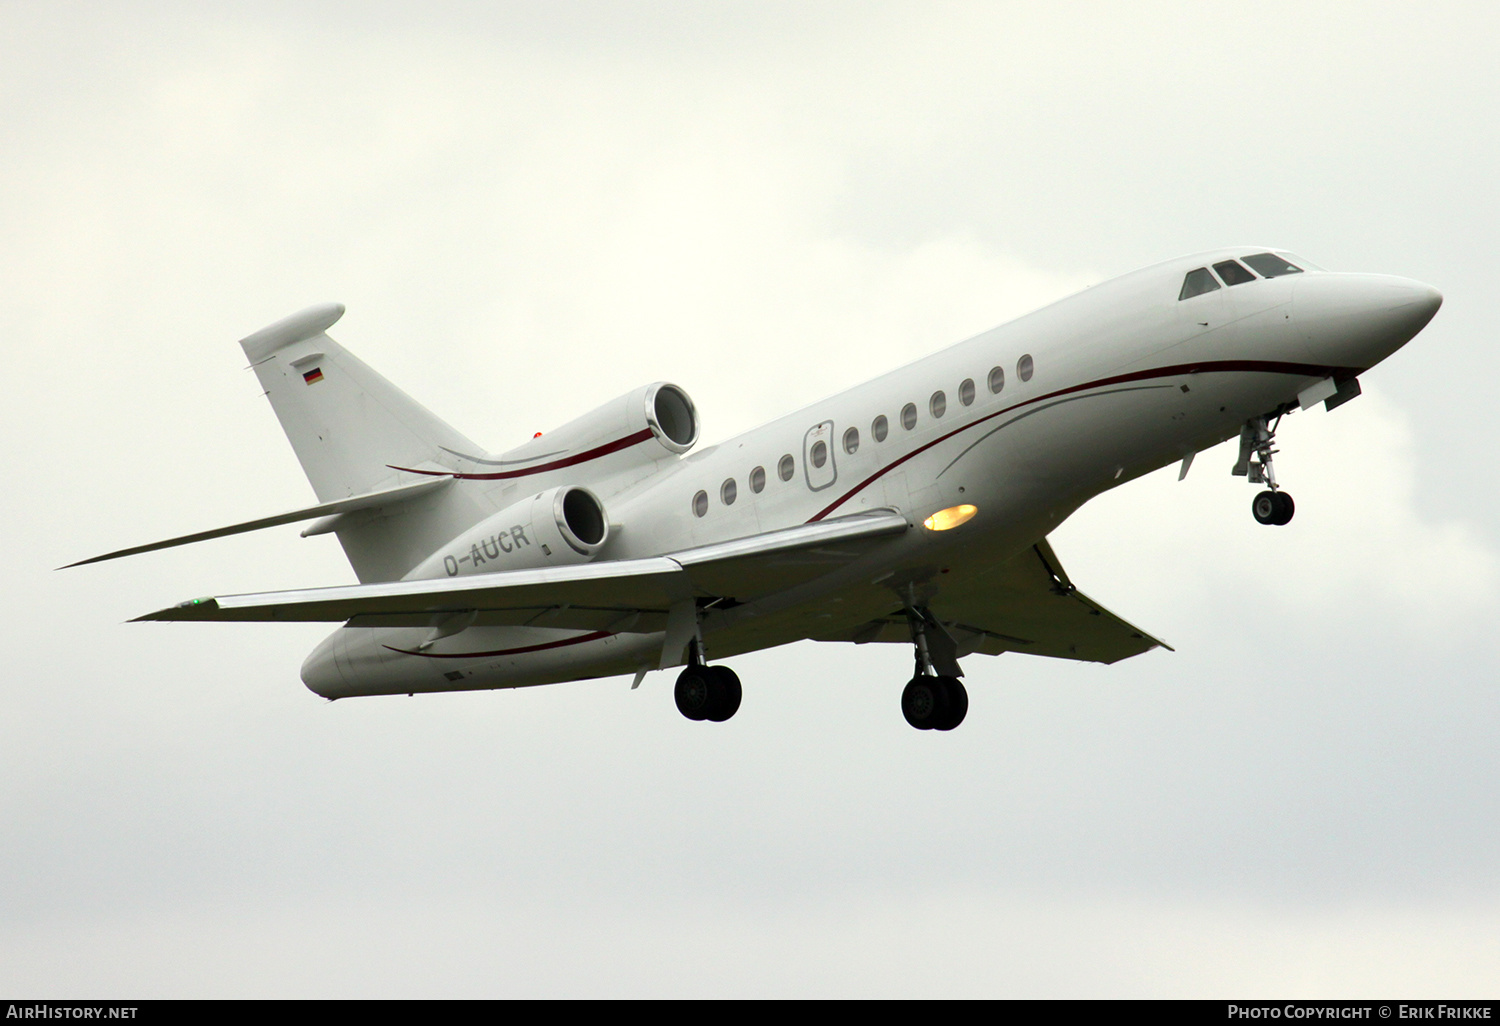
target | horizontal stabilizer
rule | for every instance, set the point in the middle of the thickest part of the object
(632, 594)
(369, 500)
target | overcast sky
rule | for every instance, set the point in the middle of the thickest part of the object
(530, 208)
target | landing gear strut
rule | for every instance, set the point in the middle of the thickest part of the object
(933, 700)
(1272, 506)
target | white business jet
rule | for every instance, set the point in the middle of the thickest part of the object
(913, 509)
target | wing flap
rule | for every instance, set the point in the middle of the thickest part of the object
(764, 564)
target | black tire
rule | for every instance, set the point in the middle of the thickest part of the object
(725, 693)
(1265, 507)
(1285, 507)
(694, 693)
(925, 702)
(957, 702)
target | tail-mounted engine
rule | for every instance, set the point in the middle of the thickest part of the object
(639, 429)
(557, 527)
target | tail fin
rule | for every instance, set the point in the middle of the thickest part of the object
(348, 425)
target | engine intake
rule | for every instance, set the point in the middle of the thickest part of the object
(671, 416)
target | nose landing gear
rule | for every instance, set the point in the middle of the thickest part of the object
(1273, 506)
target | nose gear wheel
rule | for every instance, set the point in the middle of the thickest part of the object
(1274, 508)
(1257, 438)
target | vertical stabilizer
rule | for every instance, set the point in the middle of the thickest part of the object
(348, 425)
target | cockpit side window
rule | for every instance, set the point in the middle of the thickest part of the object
(1302, 262)
(1272, 266)
(1196, 283)
(1233, 273)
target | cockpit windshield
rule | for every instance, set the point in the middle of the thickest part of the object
(1233, 273)
(1196, 283)
(1272, 266)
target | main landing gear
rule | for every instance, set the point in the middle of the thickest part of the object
(706, 692)
(1272, 506)
(933, 700)
(934, 703)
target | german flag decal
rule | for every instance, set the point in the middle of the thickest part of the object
(313, 376)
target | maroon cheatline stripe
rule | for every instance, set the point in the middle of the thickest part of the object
(1206, 367)
(566, 461)
(595, 636)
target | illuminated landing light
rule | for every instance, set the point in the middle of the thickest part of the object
(947, 519)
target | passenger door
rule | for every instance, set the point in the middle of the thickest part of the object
(817, 457)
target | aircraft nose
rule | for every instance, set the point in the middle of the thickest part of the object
(1405, 305)
(1357, 320)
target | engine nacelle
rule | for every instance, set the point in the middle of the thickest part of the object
(557, 527)
(654, 422)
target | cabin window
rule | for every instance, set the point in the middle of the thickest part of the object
(1272, 266)
(966, 392)
(909, 416)
(997, 379)
(758, 480)
(880, 428)
(1197, 282)
(819, 453)
(851, 441)
(728, 492)
(786, 468)
(938, 404)
(1233, 273)
(700, 504)
(1024, 367)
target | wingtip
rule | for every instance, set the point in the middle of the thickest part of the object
(178, 611)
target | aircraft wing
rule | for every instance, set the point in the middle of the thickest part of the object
(621, 595)
(1027, 604)
(369, 500)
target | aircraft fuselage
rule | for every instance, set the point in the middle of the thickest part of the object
(1024, 423)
